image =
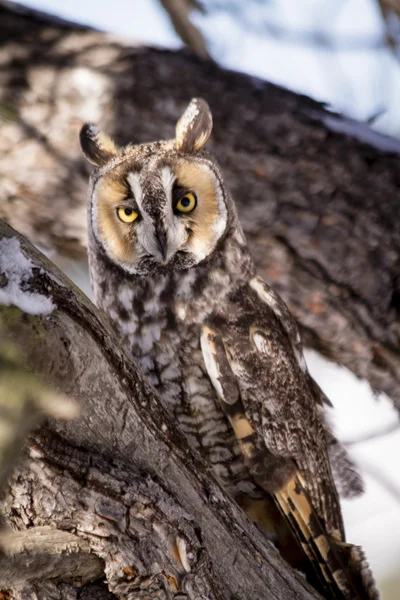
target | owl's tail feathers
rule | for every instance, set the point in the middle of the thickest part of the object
(341, 575)
(342, 569)
(294, 504)
(349, 482)
(360, 571)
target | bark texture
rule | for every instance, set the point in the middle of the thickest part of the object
(317, 194)
(42, 553)
(120, 479)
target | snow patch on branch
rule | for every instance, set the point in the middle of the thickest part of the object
(15, 271)
(357, 130)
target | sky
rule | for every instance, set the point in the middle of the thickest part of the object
(358, 82)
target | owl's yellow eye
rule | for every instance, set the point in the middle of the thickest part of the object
(126, 214)
(187, 203)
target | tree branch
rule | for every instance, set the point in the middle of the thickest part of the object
(179, 13)
(122, 476)
(317, 193)
(389, 10)
(373, 435)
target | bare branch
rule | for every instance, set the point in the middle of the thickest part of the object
(381, 478)
(388, 10)
(374, 435)
(179, 13)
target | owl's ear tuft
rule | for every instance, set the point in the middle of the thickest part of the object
(194, 127)
(96, 145)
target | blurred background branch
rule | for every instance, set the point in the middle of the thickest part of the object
(390, 11)
(24, 400)
(179, 12)
(374, 435)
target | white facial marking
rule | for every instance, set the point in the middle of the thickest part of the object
(167, 180)
(145, 227)
(176, 232)
(136, 186)
(219, 226)
(199, 249)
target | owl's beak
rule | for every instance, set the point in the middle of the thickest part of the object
(161, 239)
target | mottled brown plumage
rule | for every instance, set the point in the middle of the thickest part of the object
(170, 265)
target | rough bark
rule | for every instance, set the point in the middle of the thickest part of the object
(120, 477)
(42, 553)
(317, 193)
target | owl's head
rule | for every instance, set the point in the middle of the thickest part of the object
(161, 205)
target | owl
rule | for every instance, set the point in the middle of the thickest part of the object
(170, 266)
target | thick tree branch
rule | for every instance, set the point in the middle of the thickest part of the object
(43, 553)
(317, 193)
(121, 476)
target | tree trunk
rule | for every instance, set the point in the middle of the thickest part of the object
(317, 193)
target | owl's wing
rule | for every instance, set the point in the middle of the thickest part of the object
(347, 479)
(256, 365)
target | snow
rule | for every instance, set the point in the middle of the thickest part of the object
(141, 21)
(357, 130)
(16, 270)
(372, 520)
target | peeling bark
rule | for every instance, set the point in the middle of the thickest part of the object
(121, 477)
(317, 193)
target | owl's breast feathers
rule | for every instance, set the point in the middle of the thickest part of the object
(254, 358)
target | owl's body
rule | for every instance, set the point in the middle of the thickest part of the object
(160, 321)
(170, 266)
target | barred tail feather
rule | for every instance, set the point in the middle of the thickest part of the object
(319, 547)
(360, 571)
(342, 568)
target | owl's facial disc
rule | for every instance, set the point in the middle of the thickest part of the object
(156, 215)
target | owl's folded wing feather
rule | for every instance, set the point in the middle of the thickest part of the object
(277, 474)
(260, 380)
(346, 476)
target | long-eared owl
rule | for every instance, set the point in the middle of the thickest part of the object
(170, 265)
